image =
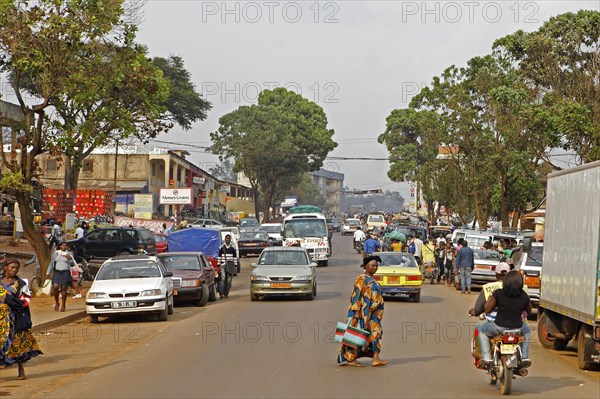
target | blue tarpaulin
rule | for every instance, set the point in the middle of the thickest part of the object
(197, 239)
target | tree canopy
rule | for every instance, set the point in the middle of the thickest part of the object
(274, 142)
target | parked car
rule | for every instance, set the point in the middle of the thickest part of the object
(253, 242)
(531, 269)
(399, 274)
(248, 224)
(206, 223)
(136, 284)
(484, 272)
(273, 230)
(283, 271)
(350, 226)
(162, 242)
(107, 242)
(193, 277)
(334, 224)
(234, 231)
(198, 239)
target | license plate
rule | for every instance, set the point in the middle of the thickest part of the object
(250, 244)
(532, 282)
(175, 292)
(483, 267)
(123, 304)
(507, 349)
(281, 285)
(393, 280)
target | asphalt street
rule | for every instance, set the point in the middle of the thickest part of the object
(283, 348)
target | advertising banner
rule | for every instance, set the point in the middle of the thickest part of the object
(152, 224)
(144, 204)
(171, 196)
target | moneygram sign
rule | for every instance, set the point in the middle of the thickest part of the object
(173, 196)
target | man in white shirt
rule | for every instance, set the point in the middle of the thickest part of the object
(418, 249)
(79, 232)
(359, 235)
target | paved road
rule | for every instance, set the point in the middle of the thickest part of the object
(283, 348)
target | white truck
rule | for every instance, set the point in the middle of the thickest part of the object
(570, 291)
(308, 230)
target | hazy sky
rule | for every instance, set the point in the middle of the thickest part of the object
(359, 60)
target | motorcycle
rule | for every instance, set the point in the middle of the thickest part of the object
(430, 271)
(507, 360)
(358, 245)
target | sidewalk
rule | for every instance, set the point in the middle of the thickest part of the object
(43, 315)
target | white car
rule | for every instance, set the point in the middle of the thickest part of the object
(136, 284)
(273, 230)
(350, 226)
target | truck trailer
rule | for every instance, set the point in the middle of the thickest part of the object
(570, 292)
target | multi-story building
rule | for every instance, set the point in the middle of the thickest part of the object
(330, 185)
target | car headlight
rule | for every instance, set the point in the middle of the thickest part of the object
(153, 292)
(97, 295)
(307, 277)
(190, 283)
(258, 278)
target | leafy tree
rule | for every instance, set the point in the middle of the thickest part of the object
(307, 192)
(274, 141)
(224, 171)
(560, 62)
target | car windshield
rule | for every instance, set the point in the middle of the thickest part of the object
(270, 229)
(253, 235)
(376, 219)
(305, 228)
(534, 256)
(248, 222)
(353, 222)
(400, 259)
(181, 262)
(285, 258)
(128, 269)
(486, 254)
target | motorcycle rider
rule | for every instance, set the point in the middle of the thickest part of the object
(509, 301)
(359, 236)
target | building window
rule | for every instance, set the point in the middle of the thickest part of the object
(88, 165)
(51, 165)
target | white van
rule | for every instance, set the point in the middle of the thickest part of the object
(375, 220)
(309, 230)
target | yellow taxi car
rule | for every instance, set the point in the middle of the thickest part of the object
(399, 274)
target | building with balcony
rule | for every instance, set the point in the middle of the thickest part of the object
(330, 185)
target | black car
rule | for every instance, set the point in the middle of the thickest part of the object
(252, 242)
(107, 242)
(334, 225)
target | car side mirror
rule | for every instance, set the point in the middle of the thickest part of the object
(168, 274)
(313, 264)
(253, 264)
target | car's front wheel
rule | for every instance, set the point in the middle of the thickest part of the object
(163, 314)
(253, 297)
(170, 307)
(93, 318)
(212, 294)
(203, 297)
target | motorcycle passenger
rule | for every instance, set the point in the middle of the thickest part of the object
(359, 236)
(371, 245)
(510, 302)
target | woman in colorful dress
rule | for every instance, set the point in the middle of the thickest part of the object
(16, 345)
(365, 312)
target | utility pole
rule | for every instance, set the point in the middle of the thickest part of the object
(114, 201)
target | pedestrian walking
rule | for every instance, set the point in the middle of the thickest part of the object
(55, 235)
(365, 312)
(17, 343)
(440, 258)
(449, 266)
(228, 260)
(165, 230)
(61, 263)
(465, 262)
(418, 248)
